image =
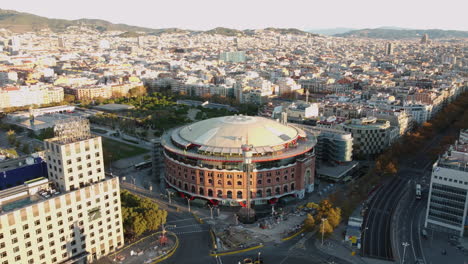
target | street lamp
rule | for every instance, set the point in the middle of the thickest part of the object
(188, 203)
(169, 195)
(405, 244)
(323, 227)
(211, 210)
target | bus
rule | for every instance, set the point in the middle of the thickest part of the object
(143, 165)
(418, 191)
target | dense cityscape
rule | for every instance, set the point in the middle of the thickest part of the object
(119, 144)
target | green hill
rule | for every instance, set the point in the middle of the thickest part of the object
(385, 33)
(24, 22)
(225, 32)
(292, 31)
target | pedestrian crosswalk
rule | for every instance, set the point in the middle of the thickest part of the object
(187, 229)
(201, 230)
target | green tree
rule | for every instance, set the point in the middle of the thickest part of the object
(312, 205)
(11, 135)
(140, 215)
(138, 224)
(324, 227)
(25, 148)
(137, 91)
(323, 208)
(334, 217)
(69, 98)
(309, 222)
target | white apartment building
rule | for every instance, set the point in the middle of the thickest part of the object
(448, 193)
(72, 217)
(8, 77)
(23, 96)
(286, 85)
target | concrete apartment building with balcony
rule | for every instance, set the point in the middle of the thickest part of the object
(370, 135)
(448, 193)
(74, 215)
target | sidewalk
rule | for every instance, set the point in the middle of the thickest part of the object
(145, 250)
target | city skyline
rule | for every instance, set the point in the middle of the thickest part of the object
(208, 14)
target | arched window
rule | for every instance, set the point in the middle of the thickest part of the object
(277, 190)
(239, 183)
(285, 177)
(185, 187)
(268, 180)
(210, 192)
(229, 194)
(229, 183)
(268, 192)
(193, 189)
(259, 193)
(180, 184)
(285, 189)
(277, 179)
(239, 194)
(220, 194)
(220, 182)
(210, 181)
(259, 182)
(201, 191)
(292, 186)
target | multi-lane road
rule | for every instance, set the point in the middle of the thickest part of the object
(394, 216)
(409, 222)
(295, 251)
(377, 224)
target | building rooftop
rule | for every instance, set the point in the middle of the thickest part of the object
(30, 192)
(233, 131)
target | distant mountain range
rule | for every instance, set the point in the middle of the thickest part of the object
(25, 22)
(330, 31)
(395, 33)
(19, 22)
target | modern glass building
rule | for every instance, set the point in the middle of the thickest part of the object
(448, 194)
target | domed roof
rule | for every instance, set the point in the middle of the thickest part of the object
(232, 132)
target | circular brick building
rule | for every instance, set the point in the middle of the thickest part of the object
(204, 160)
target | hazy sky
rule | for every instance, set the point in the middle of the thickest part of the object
(241, 14)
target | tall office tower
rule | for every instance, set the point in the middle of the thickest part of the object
(388, 49)
(279, 41)
(74, 216)
(425, 39)
(61, 42)
(15, 43)
(236, 43)
(448, 192)
(232, 56)
(104, 44)
(141, 41)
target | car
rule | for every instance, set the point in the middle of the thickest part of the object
(248, 261)
(424, 233)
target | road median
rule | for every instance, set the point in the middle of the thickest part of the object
(236, 251)
(293, 235)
